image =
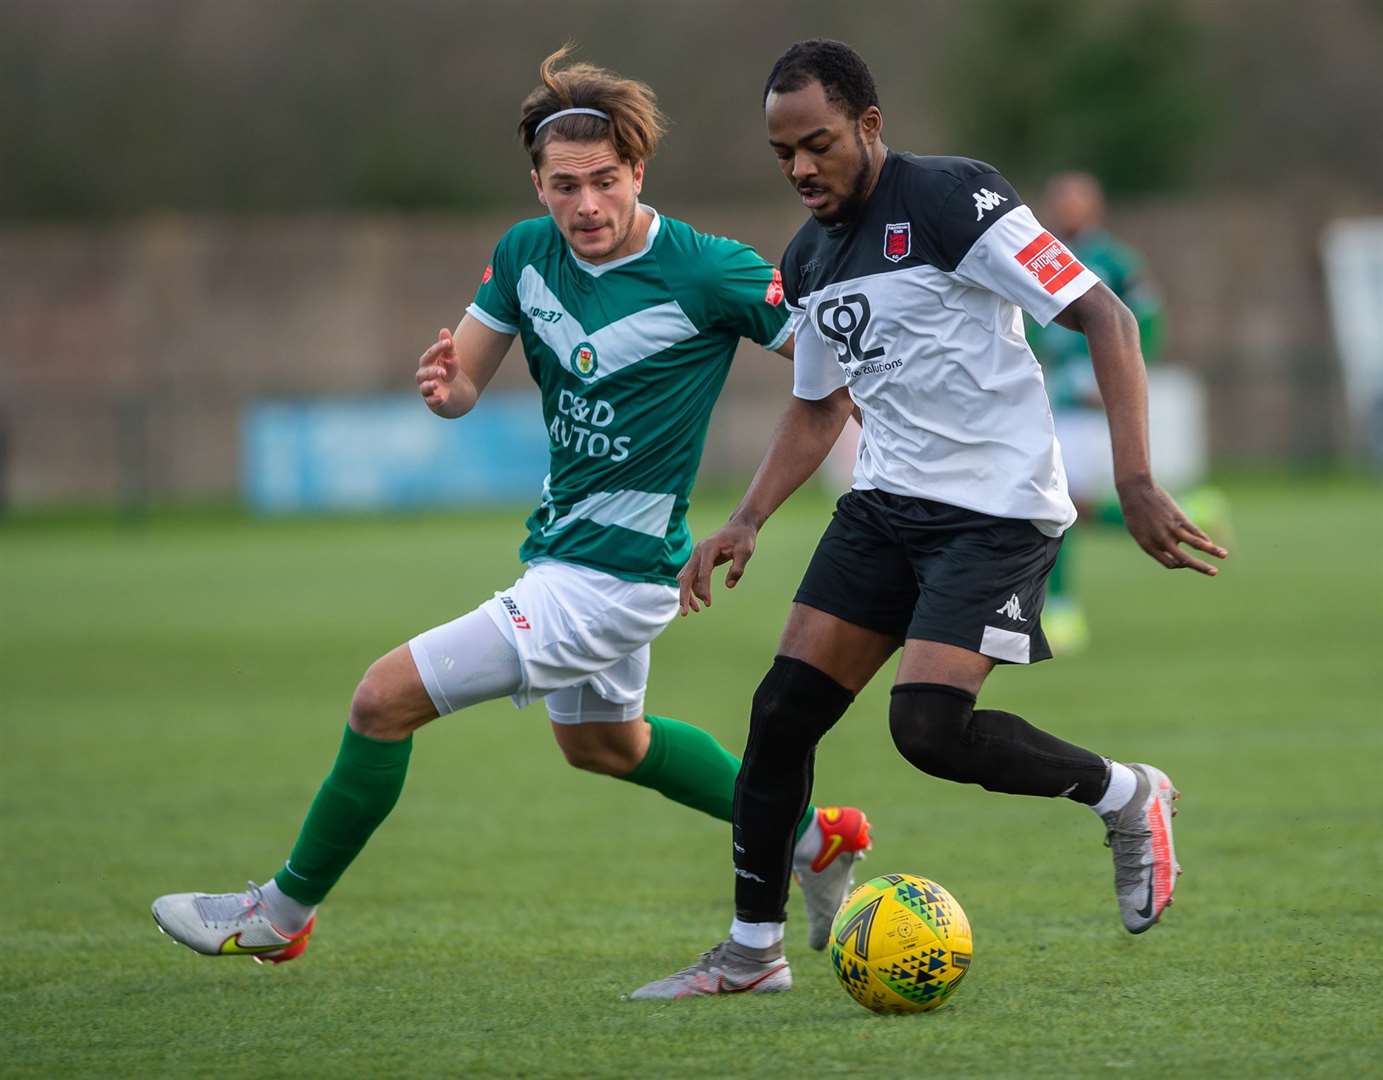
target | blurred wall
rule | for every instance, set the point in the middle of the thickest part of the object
(130, 350)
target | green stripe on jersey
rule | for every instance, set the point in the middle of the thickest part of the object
(630, 357)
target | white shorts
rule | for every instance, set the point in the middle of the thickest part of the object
(571, 627)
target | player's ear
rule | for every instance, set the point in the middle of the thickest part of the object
(538, 186)
(871, 123)
(638, 177)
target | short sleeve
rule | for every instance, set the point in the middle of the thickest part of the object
(816, 372)
(748, 294)
(496, 302)
(1018, 259)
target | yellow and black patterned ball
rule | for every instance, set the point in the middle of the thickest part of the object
(900, 944)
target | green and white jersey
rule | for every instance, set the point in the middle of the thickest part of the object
(630, 357)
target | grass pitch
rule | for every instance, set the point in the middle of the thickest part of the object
(171, 695)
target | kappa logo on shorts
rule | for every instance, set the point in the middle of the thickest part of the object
(1011, 609)
(898, 241)
(517, 617)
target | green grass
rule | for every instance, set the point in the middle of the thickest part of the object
(171, 695)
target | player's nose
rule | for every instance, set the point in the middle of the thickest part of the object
(803, 168)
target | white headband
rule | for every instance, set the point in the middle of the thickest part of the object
(570, 112)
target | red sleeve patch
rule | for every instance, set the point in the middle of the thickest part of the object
(1047, 260)
(774, 295)
(489, 273)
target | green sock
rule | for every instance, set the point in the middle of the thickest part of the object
(1059, 580)
(688, 766)
(356, 796)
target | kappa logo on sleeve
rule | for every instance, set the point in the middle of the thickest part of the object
(773, 296)
(1048, 260)
(489, 273)
(987, 200)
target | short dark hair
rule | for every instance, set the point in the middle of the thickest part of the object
(840, 70)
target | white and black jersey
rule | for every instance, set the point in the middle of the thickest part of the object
(914, 305)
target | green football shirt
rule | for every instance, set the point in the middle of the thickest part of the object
(630, 357)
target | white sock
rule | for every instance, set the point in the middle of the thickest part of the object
(756, 935)
(809, 847)
(1122, 782)
(289, 916)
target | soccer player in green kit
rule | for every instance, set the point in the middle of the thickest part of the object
(629, 321)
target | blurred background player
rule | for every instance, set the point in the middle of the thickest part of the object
(1074, 209)
(629, 321)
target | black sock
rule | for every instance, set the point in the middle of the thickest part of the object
(794, 706)
(938, 729)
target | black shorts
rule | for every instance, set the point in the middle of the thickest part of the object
(914, 568)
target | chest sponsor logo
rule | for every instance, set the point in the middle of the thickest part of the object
(843, 320)
(582, 426)
(1049, 262)
(773, 296)
(986, 200)
(898, 241)
(583, 360)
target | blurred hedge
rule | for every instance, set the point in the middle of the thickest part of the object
(109, 109)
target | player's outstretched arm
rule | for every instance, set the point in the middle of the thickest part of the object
(1154, 519)
(455, 369)
(803, 438)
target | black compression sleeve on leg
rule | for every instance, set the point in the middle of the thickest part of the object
(794, 706)
(938, 729)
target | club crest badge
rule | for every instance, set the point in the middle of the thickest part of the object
(898, 241)
(583, 360)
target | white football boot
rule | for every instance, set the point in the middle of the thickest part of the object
(729, 968)
(228, 924)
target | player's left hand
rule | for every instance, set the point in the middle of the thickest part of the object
(1161, 527)
(732, 543)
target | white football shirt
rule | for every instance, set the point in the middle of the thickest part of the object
(915, 307)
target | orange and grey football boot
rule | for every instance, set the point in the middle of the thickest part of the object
(827, 874)
(1140, 837)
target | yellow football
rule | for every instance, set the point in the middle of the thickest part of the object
(900, 944)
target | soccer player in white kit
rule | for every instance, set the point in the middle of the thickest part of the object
(629, 321)
(908, 284)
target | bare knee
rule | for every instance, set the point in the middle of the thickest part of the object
(390, 701)
(610, 749)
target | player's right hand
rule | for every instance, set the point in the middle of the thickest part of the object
(733, 544)
(437, 371)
